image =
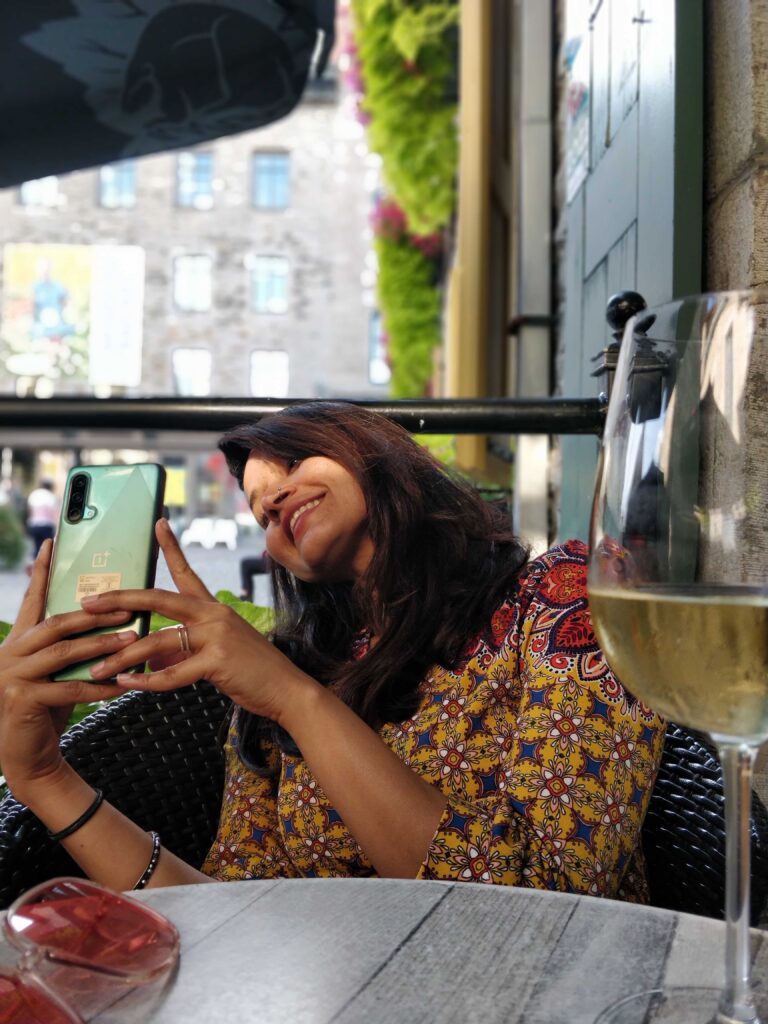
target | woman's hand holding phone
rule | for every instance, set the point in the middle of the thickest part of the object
(34, 710)
(215, 643)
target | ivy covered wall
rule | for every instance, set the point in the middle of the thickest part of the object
(406, 63)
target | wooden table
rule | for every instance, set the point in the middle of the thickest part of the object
(395, 952)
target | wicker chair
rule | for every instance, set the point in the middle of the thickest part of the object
(159, 759)
(684, 832)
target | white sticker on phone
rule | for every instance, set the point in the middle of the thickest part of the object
(91, 583)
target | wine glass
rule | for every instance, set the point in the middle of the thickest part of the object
(678, 575)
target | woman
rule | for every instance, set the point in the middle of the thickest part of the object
(432, 706)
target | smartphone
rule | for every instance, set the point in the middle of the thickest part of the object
(105, 541)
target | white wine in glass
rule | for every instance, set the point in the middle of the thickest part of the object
(678, 578)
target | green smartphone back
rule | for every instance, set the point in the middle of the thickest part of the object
(112, 547)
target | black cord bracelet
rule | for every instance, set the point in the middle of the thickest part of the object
(87, 814)
(150, 868)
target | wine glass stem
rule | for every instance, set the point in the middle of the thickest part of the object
(736, 1003)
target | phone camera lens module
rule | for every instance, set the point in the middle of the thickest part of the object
(76, 503)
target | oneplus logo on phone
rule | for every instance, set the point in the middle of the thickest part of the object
(99, 560)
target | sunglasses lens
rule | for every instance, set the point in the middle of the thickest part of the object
(22, 1001)
(82, 923)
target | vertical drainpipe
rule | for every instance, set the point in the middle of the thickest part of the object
(530, 325)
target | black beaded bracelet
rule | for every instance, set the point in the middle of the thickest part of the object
(87, 814)
(150, 868)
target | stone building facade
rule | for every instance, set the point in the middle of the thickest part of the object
(318, 307)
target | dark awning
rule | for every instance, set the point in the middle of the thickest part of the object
(88, 82)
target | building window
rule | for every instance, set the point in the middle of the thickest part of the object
(271, 181)
(117, 185)
(378, 367)
(40, 192)
(269, 373)
(191, 371)
(269, 284)
(192, 286)
(194, 180)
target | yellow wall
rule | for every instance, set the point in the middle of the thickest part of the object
(467, 307)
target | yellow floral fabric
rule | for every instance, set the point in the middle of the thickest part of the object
(547, 763)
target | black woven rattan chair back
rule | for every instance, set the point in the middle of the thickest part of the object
(684, 832)
(159, 759)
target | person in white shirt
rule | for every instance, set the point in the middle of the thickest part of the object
(42, 514)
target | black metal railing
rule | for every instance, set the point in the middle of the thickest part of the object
(437, 416)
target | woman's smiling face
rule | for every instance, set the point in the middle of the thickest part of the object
(314, 515)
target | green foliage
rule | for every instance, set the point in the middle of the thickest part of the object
(407, 52)
(262, 619)
(442, 446)
(416, 29)
(411, 306)
(11, 538)
(81, 711)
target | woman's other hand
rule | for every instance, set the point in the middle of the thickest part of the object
(213, 643)
(34, 710)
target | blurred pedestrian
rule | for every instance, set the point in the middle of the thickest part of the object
(254, 565)
(42, 514)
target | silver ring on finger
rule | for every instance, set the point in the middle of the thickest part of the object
(184, 639)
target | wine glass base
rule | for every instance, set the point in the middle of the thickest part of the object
(684, 1005)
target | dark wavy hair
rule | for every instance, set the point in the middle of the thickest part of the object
(443, 560)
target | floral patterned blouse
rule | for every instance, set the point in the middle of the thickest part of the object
(546, 761)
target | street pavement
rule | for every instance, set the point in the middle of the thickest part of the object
(219, 569)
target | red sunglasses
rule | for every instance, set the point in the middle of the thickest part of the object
(80, 944)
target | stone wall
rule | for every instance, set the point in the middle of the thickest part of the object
(736, 140)
(736, 189)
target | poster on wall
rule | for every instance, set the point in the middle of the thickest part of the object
(73, 312)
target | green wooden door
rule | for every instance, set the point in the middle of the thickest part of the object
(634, 220)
